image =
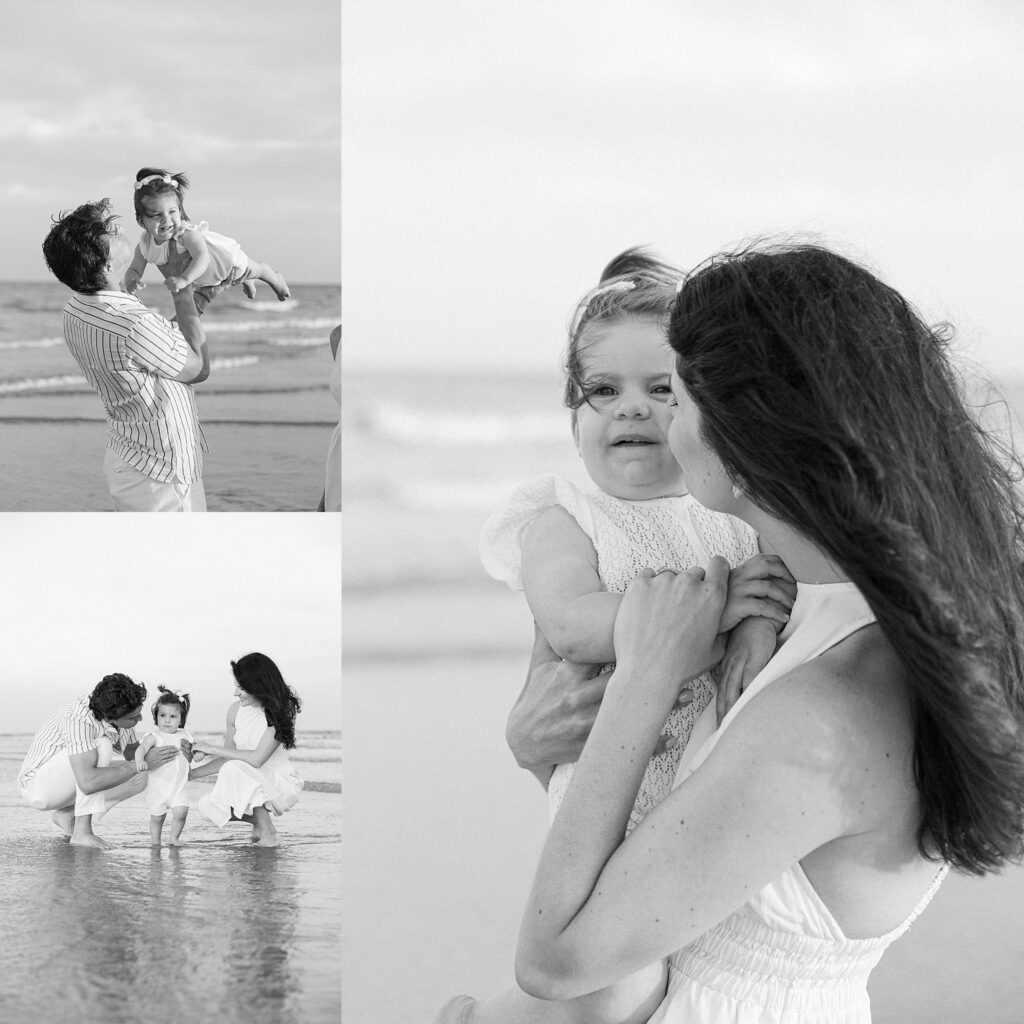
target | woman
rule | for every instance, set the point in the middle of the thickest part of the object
(882, 743)
(255, 779)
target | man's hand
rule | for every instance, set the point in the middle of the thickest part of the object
(176, 265)
(157, 756)
(186, 749)
(555, 711)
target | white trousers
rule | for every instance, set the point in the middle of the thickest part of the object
(132, 491)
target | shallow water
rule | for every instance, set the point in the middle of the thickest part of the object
(217, 929)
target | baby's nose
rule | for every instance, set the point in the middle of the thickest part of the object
(632, 405)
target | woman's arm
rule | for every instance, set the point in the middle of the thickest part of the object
(565, 592)
(229, 726)
(194, 242)
(266, 746)
(774, 789)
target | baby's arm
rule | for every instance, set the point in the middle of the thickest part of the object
(196, 245)
(145, 744)
(133, 275)
(573, 610)
(763, 590)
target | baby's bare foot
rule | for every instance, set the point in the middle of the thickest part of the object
(280, 286)
(249, 288)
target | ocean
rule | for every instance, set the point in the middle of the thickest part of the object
(266, 409)
(442, 828)
(215, 929)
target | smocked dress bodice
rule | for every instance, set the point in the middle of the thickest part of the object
(658, 533)
(782, 958)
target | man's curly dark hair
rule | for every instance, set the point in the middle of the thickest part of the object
(77, 247)
(114, 696)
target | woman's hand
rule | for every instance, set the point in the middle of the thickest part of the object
(666, 632)
(762, 585)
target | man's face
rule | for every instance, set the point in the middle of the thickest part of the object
(119, 250)
(128, 720)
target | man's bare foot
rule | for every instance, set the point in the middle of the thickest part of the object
(249, 288)
(88, 839)
(64, 819)
(459, 1010)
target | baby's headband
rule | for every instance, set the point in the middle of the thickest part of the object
(165, 178)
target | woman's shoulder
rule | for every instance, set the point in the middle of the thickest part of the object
(233, 711)
(847, 708)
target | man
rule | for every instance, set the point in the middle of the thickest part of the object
(141, 365)
(68, 767)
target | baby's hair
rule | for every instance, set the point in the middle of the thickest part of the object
(635, 283)
(161, 182)
(170, 697)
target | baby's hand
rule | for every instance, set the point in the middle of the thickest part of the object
(751, 644)
(134, 284)
(762, 585)
(176, 284)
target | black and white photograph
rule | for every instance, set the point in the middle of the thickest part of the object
(170, 283)
(171, 769)
(171, 756)
(682, 420)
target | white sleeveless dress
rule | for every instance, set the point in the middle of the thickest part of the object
(165, 786)
(659, 533)
(227, 260)
(240, 787)
(781, 958)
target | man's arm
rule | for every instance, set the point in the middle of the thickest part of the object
(90, 778)
(197, 362)
(555, 711)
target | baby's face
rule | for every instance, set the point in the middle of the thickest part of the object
(621, 430)
(161, 216)
(168, 717)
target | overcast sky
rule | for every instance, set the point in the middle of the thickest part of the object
(171, 600)
(243, 97)
(495, 156)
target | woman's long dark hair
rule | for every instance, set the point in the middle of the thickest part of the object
(261, 678)
(835, 408)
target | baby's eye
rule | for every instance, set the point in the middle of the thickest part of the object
(662, 390)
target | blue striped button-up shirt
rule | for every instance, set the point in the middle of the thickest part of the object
(128, 354)
(74, 729)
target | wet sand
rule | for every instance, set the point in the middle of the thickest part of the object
(267, 451)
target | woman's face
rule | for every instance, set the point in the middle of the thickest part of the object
(245, 699)
(705, 475)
